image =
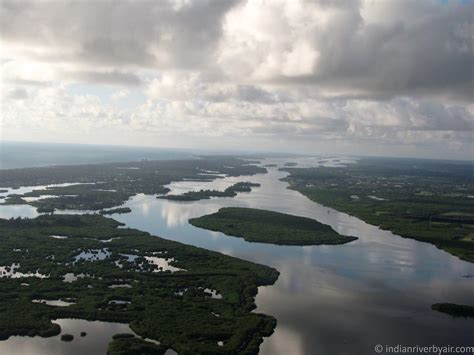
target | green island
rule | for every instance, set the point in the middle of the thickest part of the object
(263, 226)
(116, 210)
(231, 191)
(187, 298)
(430, 201)
(455, 310)
(102, 186)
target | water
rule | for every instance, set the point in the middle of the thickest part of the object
(54, 303)
(341, 299)
(99, 334)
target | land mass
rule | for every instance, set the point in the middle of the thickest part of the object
(119, 210)
(430, 201)
(455, 310)
(255, 225)
(231, 191)
(189, 299)
(101, 186)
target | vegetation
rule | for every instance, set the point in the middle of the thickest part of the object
(67, 337)
(102, 186)
(231, 191)
(116, 210)
(429, 201)
(454, 310)
(128, 344)
(269, 227)
(167, 303)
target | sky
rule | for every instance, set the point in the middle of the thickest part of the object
(368, 77)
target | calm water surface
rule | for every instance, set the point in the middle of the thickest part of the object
(99, 334)
(341, 299)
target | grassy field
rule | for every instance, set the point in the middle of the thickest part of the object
(269, 227)
(120, 275)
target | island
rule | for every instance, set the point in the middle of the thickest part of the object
(118, 210)
(83, 266)
(455, 310)
(231, 191)
(255, 225)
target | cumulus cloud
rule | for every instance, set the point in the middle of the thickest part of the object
(17, 94)
(365, 48)
(193, 86)
(110, 78)
(110, 33)
(391, 72)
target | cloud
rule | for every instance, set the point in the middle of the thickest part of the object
(179, 86)
(389, 47)
(301, 72)
(108, 78)
(110, 33)
(363, 47)
(17, 94)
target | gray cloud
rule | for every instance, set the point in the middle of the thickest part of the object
(110, 78)
(17, 94)
(344, 70)
(255, 94)
(132, 33)
(419, 48)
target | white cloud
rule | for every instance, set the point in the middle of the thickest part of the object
(306, 73)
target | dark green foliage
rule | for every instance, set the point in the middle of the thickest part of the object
(131, 345)
(454, 310)
(45, 209)
(244, 186)
(116, 210)
(14, 199)
(67, 337)
(421, 199)
(231, 191)
(156, 310)
(263, 226)
(102, 186)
